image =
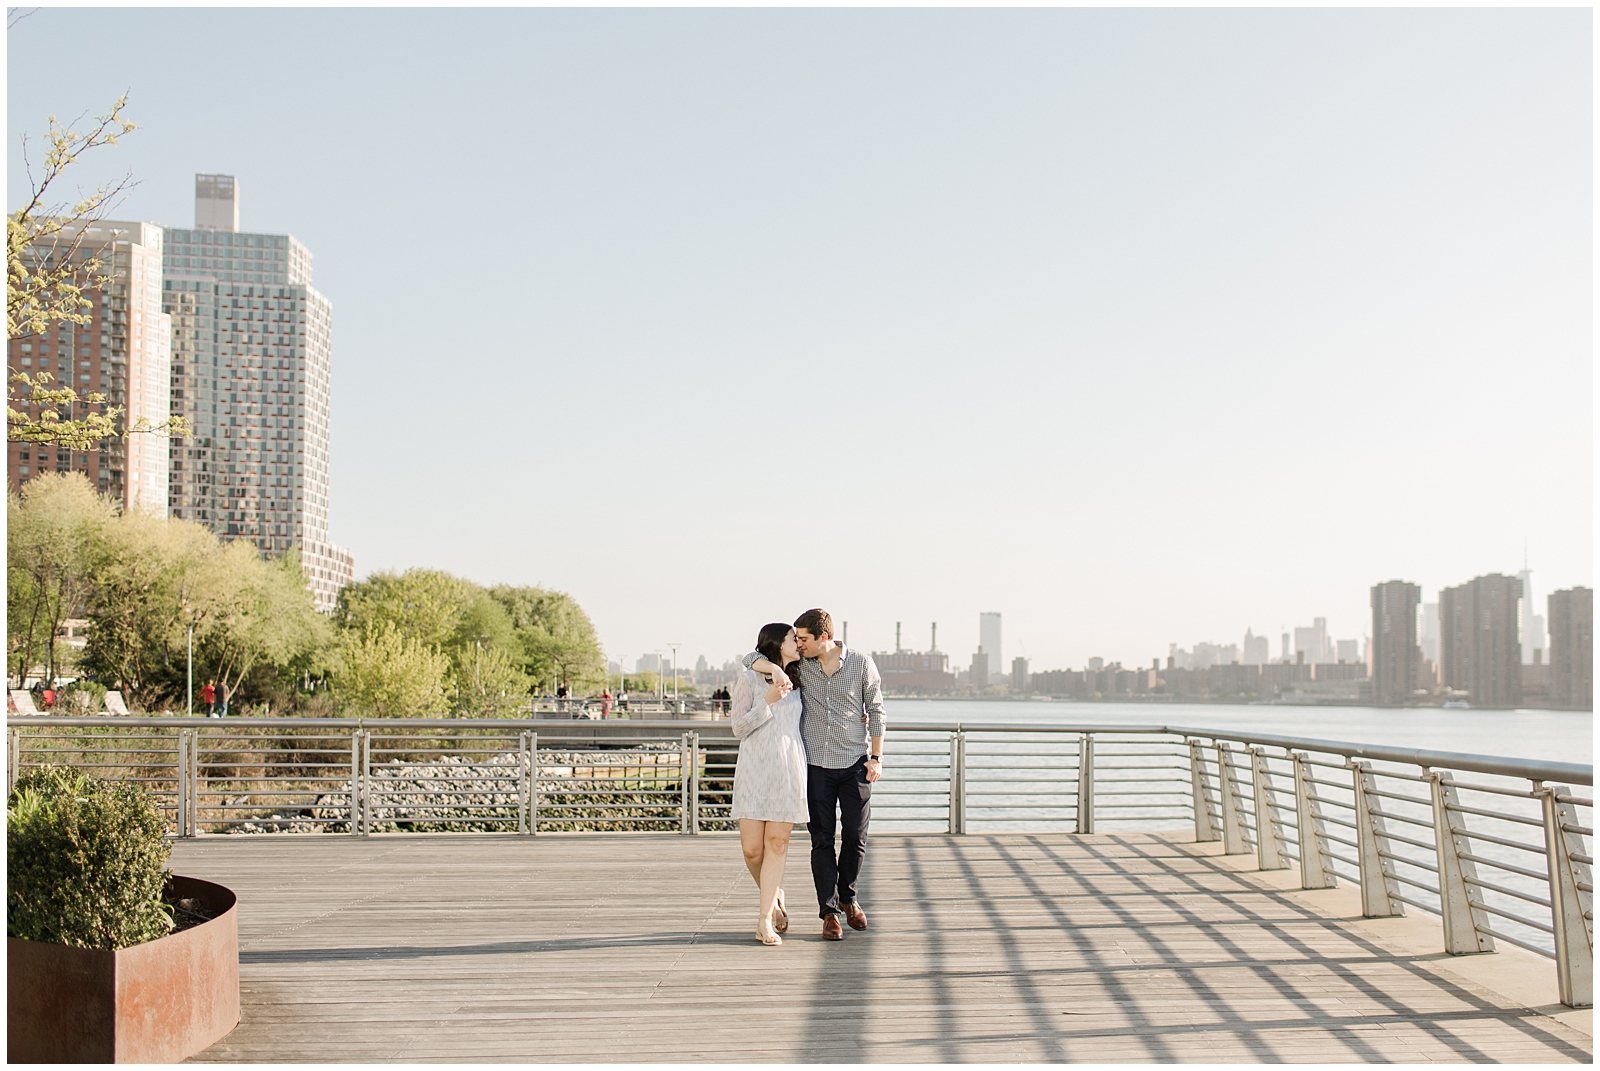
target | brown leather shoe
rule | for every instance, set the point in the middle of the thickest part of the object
(831, 930)
(856, 917)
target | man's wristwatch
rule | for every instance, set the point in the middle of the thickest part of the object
(875, 758)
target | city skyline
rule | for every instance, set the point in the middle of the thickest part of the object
(1309, 645)
(1218, 317)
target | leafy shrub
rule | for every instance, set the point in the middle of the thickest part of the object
(85, 861)
(82, 697)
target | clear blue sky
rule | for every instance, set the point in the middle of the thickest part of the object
(1136, 326)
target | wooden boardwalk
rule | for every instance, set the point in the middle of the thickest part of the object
(640, 947)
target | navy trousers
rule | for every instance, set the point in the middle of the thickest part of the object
(844, 796)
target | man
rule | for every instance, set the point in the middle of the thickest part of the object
(208, 696)
(842, 726)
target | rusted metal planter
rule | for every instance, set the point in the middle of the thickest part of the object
(159, 1002)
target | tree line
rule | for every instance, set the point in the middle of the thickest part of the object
(411, 644)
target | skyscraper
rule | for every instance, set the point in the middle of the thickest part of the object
(1313, 642)
(123, 352)
(1479, 648)
(1395, 654)
(1257, 649)
(1430, 631)
(989, 640)
(251, 367)
(1019, 675)
(979, 673)
(1532, 623)
(1572, 649)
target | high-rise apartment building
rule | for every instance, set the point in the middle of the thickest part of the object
(989, 640)
(123, 352)
(1571, 616)
(1480, 651)
(1395, 653)
(1019, 675)
(251, 367)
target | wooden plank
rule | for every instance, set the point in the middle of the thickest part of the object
(638, 947)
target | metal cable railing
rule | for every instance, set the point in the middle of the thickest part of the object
(1497, 848)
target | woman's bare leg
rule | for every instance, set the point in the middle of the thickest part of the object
(775, 854)
(752, 839)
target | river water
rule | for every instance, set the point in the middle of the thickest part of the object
(1557, 735)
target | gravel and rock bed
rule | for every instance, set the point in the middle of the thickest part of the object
(628, 790)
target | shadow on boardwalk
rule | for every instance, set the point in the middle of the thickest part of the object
(997, 948)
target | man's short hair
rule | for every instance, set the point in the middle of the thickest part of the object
(816, 622)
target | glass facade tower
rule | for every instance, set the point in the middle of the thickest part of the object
(251, 366)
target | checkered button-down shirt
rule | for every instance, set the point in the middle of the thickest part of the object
(832, 726)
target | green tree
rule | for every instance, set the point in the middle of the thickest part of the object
(487, 682)
(382, 671)
(152, 578)
(486, 676)
(255, 612)
(483, 621)
(422, 604)
(51, 527)
(147, 577)
(557, 639)
(50, 271)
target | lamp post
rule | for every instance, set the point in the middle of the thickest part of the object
(183, 601)
(675, 647)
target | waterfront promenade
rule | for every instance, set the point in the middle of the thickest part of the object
(983, 948)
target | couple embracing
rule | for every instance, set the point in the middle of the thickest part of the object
(808, 713)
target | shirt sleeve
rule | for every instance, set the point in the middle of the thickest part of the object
(872, 698)
(751, 659)
(749, 710)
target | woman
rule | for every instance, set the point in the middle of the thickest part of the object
(769, 783)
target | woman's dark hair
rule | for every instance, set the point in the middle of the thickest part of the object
(769, 645)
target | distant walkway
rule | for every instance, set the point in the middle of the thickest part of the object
(1014, 947)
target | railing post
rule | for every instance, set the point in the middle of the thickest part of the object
(1571, 898)
(1235, 837)
(1465, 923)
(194, 782)
(1204, 828)
(958, 782)
(14, 760)
(355, 782)
(683, 784)
(366, 783)
(1372, 845)
(181, 819)
(694, 783)
(533, 783)
(197, 780)
(1086, 783)
(522, 782)
(1315, 873)
(1269, 832)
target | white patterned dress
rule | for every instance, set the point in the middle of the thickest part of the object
(769, 783)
